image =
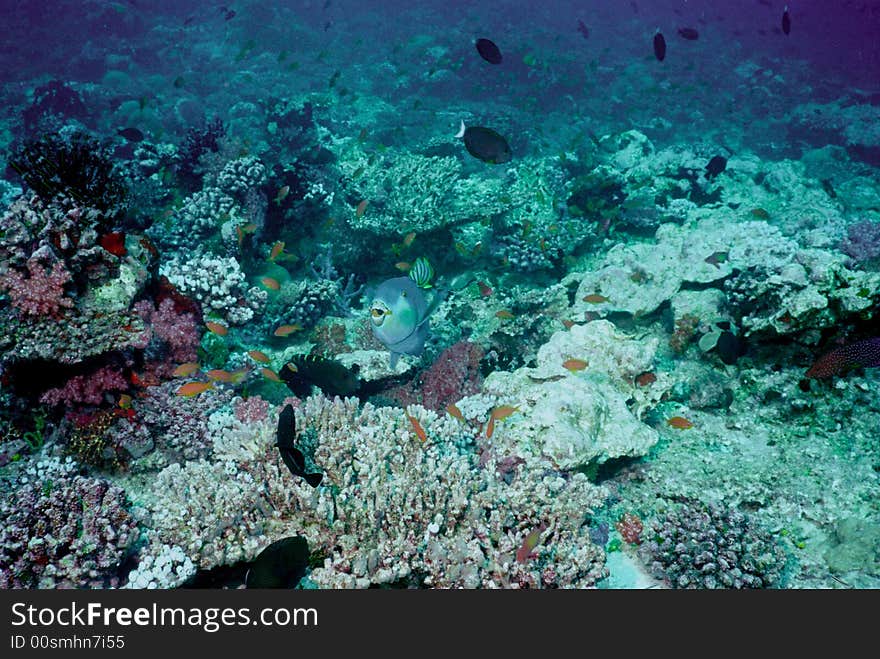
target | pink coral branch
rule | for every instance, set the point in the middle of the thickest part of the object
(41, 294)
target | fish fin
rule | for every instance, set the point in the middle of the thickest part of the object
(461, 130)
(394, 356)
(290, 460)
(314, 479)
(439, 296)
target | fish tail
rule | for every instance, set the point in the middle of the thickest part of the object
(461, 130)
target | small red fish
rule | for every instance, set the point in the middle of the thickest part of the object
(529, 543)
(277, 248)
(595, 298)
(256, 355)
(504, 314)
(271, 283)
(403, 266)
(194, 388)
(219, 375)
(417, 428)
(409, 238)
(568, 323)
(679, 422)
(646, 378)
(504, 411)
(453, 410)
(114, 243)
(490, 428)
(575, 364)
(217, 328)
(185, 370)
(287, 330)
(269, 374)
(485, 291)
(361, 208)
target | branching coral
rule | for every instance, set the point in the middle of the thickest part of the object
(390, 509)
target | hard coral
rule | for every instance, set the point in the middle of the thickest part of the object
(62, 530)
(706, 546)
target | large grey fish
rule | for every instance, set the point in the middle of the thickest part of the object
(399, 316)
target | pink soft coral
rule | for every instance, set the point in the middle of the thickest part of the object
(41, 294)
(87, 389)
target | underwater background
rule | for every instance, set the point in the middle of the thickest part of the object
(338, 294)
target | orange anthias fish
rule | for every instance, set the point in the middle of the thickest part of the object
(185, 370)
(529, 543)
(276, 250)
(679, 422)
(403, 266)
(595, 298)
(575, 364)
(361, 208)
(453, 410)
(219, 375)
(287, 330)
(499, 414)
(504, 314)
(194, 388)
(568, 324)
(485, 291)
(217, 328)
(417, 428)
(269, 374)
(256, 355)
(409, 238)
(270, 283)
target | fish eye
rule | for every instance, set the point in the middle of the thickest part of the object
(376, 312)
(402, 293)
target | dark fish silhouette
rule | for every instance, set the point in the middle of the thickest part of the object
(728, 347)
(786, 20)
(688, 33)
(131, 134)
(659, 46)
(329, 375)
(583, 29)
(485, 144)
(489, 51)
(716, 165)
(280, 565)
(292, 456)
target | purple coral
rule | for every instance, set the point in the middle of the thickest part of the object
(175, 335)
(453, 375)
(40, 294)
(61, 530)
(863, 241)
